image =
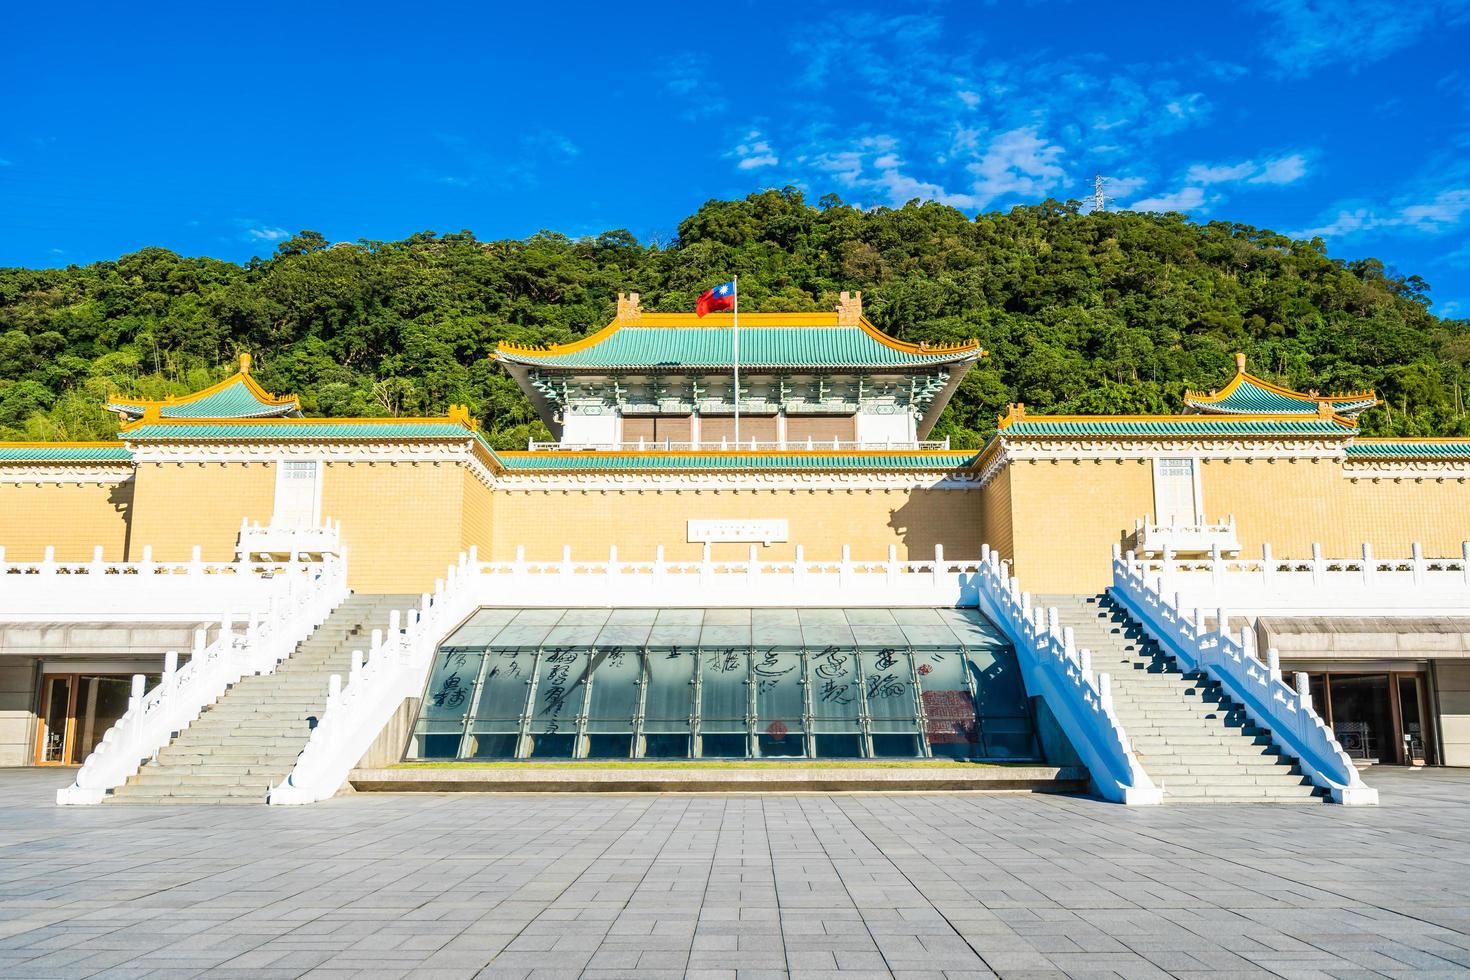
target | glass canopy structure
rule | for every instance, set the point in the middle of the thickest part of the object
(725, 683)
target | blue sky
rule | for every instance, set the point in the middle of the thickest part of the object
(218, 129)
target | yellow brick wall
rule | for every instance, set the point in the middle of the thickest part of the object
(995, 514)
(1292, 505)
(478, 528)
(1067, 515)
(401, 522)
(179, 505)
(821, 521)
(74, 518)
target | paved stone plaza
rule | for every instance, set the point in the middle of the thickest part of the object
(736, 887)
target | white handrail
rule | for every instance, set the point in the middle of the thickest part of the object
(1271, 703)
(1062, 674)
(152, 719)
(395, 668)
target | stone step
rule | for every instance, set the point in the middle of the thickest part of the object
(1255, 768)
(194, 778)
(1174, 780)
(1260, 794)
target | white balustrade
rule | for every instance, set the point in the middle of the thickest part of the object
(299, 606)
(706, 582)
(146, 590)
(1197, 537)
(1364, 585)
(1285, 712)
(271, 539)
(1054, 668)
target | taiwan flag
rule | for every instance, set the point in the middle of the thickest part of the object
(722, 297)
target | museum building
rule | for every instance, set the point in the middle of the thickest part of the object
(822, 466)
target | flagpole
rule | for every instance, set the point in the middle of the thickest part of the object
(736, 280)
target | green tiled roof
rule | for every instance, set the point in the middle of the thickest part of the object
(553, 462)
(1203, 427)
(226, 431)
(235, 400)
(1250, 398)
(672, 348)
(42, 453)
(1409, 450)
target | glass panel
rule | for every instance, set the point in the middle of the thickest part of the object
(559, 689)
(1362, 718)
(1413, 728)
(1006, 728)
(613, 699)
(779, 706)
(670, 700)
(495, 730)
(57, 709)
(724, 703)
(448, 699)
(888, 688)
(725, 691)
(503, 693)
(836, 698)
(949, 710)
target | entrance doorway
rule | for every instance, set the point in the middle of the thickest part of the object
(76, 710)
(1378, 718)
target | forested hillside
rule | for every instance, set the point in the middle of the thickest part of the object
(1100, 313)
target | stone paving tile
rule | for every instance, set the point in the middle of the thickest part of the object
(924, 887)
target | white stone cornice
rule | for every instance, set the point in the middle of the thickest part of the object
(1406, 469)
(65, 473)
(456, 451)
(1213, 447)
(745, 480)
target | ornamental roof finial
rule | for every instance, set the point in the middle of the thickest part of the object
(849, 308)
(628, 309)
(244, 363)
(1240, 362)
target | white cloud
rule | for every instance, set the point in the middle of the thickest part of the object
(755, 152)
(969, 98)
(1278, 170)
(1444, 211)
(1223, 174)
(1282, 170)
(1305, 35)
(267, 234)
(1017, 163)
(1184, 199)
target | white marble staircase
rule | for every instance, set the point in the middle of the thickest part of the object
(1192, 740)
(252, 735)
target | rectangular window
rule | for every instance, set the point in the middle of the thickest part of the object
(657, 428)
(820, 428)
(713, 428)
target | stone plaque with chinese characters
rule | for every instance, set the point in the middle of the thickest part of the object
(715, 532)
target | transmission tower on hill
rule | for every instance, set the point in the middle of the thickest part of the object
(1099, 198)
